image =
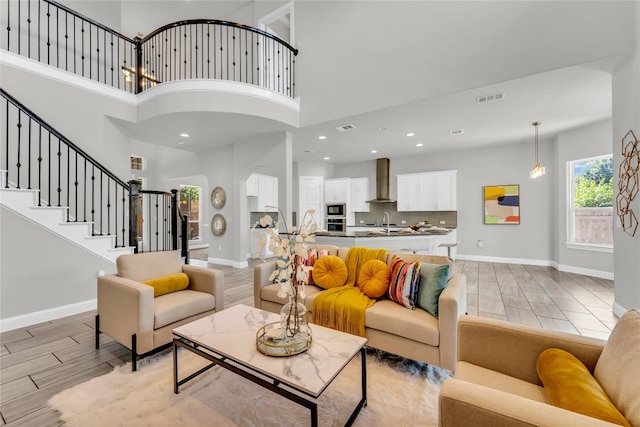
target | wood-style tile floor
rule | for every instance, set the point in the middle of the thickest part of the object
(39, 361)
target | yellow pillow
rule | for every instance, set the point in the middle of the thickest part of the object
(570, 385)
(330, 272)
(374, 278)
(167, 284)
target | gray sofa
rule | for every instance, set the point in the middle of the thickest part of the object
(415, 334)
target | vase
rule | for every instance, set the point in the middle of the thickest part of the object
(293, 320)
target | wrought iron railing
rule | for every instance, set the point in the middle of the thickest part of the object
(54, 34)
(37, 157)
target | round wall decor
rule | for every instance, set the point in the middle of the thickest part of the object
(218, 225)
(218, 197)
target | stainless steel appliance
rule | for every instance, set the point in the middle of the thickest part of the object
(336, 224)
(336, 210)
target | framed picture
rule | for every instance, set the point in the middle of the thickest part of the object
(502, 204)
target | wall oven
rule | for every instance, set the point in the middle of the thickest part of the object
(336, 210)
(336, 224)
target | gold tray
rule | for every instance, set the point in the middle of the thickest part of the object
(269, 341)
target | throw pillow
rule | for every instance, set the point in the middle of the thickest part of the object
(330, 272)
(433, 280)
(167, 284)
(403, 285)
(374, 278)
(570, 385)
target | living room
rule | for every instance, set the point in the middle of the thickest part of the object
(539, 239)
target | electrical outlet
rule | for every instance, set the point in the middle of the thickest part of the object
(219, 247)
(403, 222)
(480, 243)
(362, 221)
(443, 222)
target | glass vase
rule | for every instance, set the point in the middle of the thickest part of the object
(293, 321)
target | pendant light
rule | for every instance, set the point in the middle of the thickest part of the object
(538, 169)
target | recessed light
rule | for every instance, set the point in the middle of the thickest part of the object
(381, 129)
(374, 151)
(419, 144)
(327, 158)
(410, 134)
(323, 137)
(184, 135)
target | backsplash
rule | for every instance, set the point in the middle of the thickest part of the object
(255, 217)
(374, 216)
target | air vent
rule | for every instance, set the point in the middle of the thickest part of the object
(309, 151)
(345, 128)
(456, 132)
(490, 98)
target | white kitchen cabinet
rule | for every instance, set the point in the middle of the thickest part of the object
(428, 191)
(265, 188)
(359, 195)
(336, 190)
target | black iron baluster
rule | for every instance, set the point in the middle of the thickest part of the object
(28, 158)
(68, 182)
(66, 42)
(59, 171)
(8, 26)
(157, 233)
(58, 38)
(84, 191)
(108, 206)
(124, 210)
(39, 165)
(75, 62)
(19, 26)
(93, 200)
(29, 29)
(48, 34)
(90, 53)
(100, 201)
(6, 157)
(82, 46)
(49, 172)
(76, 189)
(19, 125)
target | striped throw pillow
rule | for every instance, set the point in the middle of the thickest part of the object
(403, 286)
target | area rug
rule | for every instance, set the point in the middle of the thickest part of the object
(399, 392)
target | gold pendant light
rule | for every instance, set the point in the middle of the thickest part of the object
(538, 169)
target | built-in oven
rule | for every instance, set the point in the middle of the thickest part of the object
(336, 210)
(336, 224)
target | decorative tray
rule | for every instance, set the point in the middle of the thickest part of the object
(269, 341)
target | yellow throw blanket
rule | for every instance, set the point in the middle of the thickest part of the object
(343, 308)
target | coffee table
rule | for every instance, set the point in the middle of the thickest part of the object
(228, 339)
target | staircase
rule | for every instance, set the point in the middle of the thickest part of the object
(25, 203)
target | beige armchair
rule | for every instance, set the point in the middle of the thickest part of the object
(129, 313)
(496, 382)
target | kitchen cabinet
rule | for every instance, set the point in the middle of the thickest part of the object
(336, 190)
(359, 195)
(428, 191)
(265, 189)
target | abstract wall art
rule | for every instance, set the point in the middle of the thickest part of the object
(502, 204)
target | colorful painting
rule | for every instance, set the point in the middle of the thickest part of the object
(502, 204)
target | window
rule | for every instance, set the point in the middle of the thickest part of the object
(590, 199)
(137, 163)
(190, 206)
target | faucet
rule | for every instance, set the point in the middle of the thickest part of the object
(386, 214)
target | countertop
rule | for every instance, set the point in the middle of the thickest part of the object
(394, 233)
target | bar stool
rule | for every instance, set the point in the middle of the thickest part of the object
(448, 246)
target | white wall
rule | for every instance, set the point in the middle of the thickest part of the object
(588, 141)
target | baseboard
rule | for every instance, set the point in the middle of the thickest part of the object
(230, 262)
(29, 319)
(502, 260)
(618, 310)
(584, 271)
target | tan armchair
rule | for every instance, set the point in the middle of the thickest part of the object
(129, 313)
(496, 382)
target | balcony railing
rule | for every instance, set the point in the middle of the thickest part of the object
(52, 33)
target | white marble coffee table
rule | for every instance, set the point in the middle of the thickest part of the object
(228, 339)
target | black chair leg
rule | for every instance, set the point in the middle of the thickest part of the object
(97, 331)
(134, 354)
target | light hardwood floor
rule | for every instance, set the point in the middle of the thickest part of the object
(39, 361)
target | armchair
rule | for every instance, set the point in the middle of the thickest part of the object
(129, 312)
(496, 380)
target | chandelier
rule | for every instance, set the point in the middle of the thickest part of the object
(538, 169)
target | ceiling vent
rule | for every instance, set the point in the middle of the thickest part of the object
(345, 128)
(453, 132)
(490, 98)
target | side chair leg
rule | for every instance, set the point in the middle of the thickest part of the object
(134, 353)
(97, 331)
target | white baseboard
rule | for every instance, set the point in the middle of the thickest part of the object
(540, 262)
(230, 262)
(29, 319)
(618, 310)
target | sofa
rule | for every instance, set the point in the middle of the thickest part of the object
(498, 382)
(389, 326)
(130, 312)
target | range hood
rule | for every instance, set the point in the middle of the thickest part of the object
(382, 182)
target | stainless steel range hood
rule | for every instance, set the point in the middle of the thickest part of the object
(382, 182)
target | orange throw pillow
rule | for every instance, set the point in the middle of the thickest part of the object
(374, 278)
(330, 272)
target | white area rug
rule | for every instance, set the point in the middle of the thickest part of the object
(399, 392)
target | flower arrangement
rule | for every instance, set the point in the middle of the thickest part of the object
(289, 248)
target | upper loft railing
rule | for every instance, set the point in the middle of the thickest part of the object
(52, 33)
(35, 156)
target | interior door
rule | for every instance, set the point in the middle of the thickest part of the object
(310, 197)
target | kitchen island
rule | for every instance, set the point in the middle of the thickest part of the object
(396, 240)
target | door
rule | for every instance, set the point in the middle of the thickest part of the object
(310, 197)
